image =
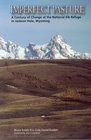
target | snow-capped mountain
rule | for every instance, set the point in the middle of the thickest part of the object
(57, 48)
(10, 50)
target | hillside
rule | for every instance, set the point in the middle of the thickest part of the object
(53, 94)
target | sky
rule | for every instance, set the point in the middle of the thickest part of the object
(77, 32)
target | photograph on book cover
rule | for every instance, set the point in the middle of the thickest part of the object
(45, 69)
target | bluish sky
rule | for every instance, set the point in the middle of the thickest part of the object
(76, 32)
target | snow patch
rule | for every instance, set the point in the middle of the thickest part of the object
(10, 86)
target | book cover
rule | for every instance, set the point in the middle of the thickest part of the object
(45, 69)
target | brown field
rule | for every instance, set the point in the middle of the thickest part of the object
(45, 99)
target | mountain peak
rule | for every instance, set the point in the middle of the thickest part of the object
(57, 39)
(1, 39)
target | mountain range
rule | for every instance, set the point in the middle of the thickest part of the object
(57, 48)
